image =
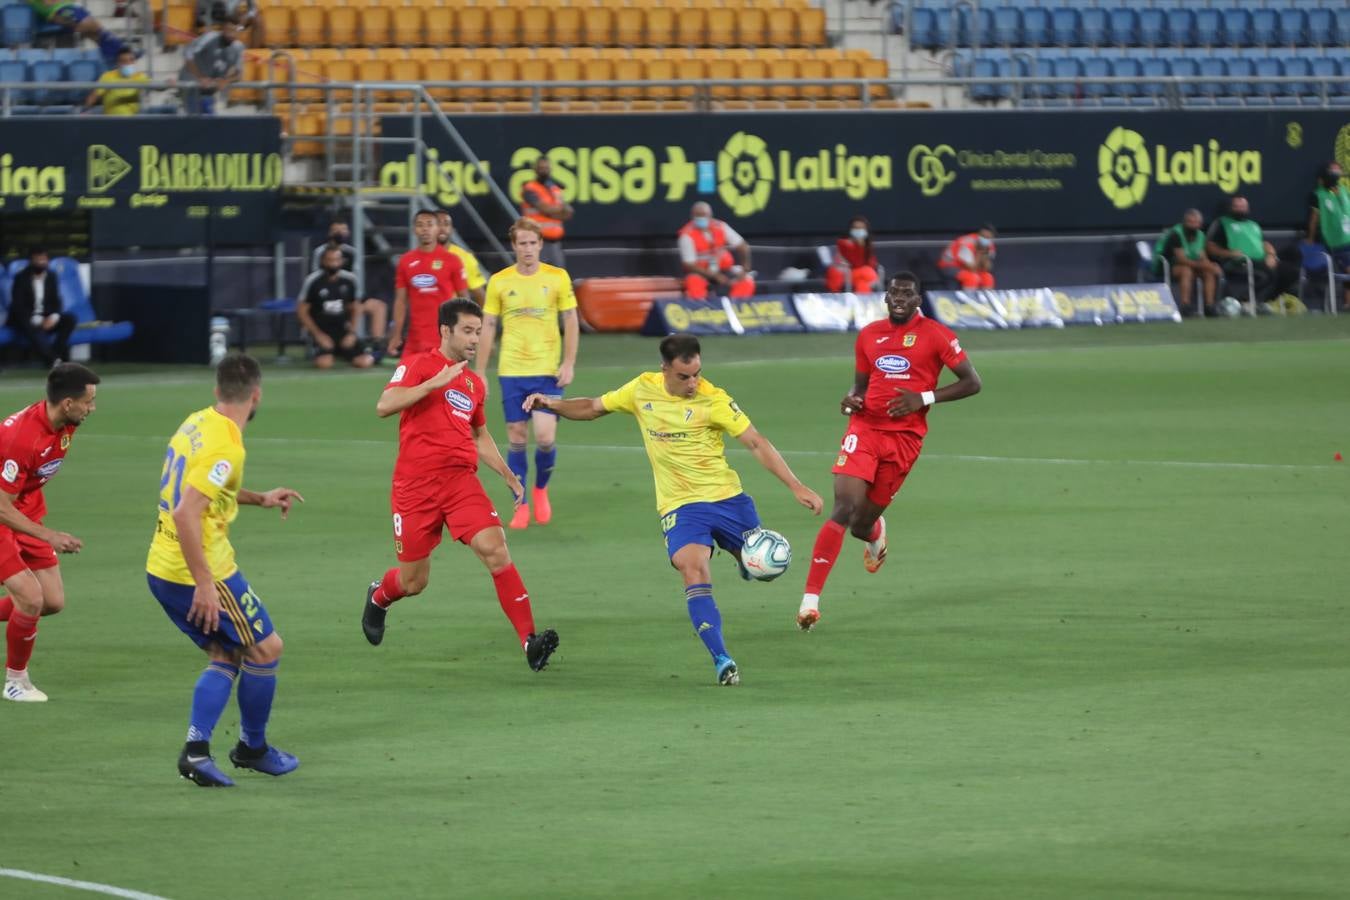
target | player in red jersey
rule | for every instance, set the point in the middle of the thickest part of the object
(426, 277)
(33, 445)
(897, 362)
(442, 434)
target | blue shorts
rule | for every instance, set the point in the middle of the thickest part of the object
(515, 388)
(723, 524)
(243, 619)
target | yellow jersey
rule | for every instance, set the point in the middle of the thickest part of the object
(528, 306)
(683, 436)
(207, 452)
(473, 273)
(120, 101)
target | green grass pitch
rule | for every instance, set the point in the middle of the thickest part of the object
(1107, 657)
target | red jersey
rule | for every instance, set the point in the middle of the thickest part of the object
(909, 356)
(436, 433)
(430, 278)
(31, 452)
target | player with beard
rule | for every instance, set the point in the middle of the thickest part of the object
(897, 362)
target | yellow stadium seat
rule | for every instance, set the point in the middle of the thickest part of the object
(749, 69)
(661, 70)
(568, 24)
(405, 70)
(565, 70)
(722, 27)
(721, 70)
(503, 26)
(530, 73)
(408, 28)
(468, 69)
(474, 24)
(811, 27)
(628, 70)
(813, 68)
(691, 27)
(536, 25)
(255, 69)
(438, 69)
(311, 26)
(428, 54)
(647, 54)
(751, 27)
(736, 53)
(179, 25)
(517, 54)
(781, 28)
(876, 68)
(549, 53)
(344, 25)
(597, 70)
(770, 53)
(377, 26)
(340, 70)
(589, 53)
(630, 26)
(844, 68)
(707, 54)
(782, 69)
(598, 26)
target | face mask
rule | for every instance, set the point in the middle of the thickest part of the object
(1190, 232)
(1332, 178)
(702, 221)
(125, 71)
(39, 269)
(858, 234)
(1239, 217)
(332, 270)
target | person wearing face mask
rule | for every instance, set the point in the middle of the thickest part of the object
(36, 310)
(541, 200)
(1183, 246)
(970, 259)
(1235, 238)
(339, 236)
(706, 246)
(1329, 220)
(119, 101)
(212, 62)
(328, 310)
(855, 262)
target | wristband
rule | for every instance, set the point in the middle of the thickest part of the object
(929, 398)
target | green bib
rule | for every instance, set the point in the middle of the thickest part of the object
(1244, 237)
(1333, 217)
(1193, 248)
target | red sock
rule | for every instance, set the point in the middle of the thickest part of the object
(389, 590)
(20, 635)
(828, 542)
(876, 531)
(6, 608)
(515, 601)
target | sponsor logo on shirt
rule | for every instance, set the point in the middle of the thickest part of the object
(10, 472)
(48, 469)
(220, 473)
(459, 400)
(892, 363)
(423, 282)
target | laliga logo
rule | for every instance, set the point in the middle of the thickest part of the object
(927, 169)
(1123, 168)
(745, 174)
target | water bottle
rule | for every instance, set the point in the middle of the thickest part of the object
(220, 338)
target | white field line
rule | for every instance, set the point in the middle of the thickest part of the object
(391, 444)
(91, 886)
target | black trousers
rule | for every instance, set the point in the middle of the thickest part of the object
(1268, 283)
(50, 345)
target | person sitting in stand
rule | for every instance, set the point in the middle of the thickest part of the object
(706, 246)
(855, 262)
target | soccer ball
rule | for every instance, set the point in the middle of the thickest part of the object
(766, 554)
(1230, 307)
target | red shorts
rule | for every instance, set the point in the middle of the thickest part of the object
(422, 509)
(19, 552)
(881, 458)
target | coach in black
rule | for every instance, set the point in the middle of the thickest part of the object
(328, 310)
(36, 310)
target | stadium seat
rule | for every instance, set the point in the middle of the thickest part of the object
(1181, 27)
(1036, 26)
(1265, 27)
(1209, 27)
(1323, 28)
(1293, 27)
(750, 28)
(1241, 73)
(568, 25)
(781, 28)
(1041, 66)
(310, 26)
(1007, 27)
(924, 31)
(1097, 67)
(811, 26)
(691, 26)
(179, 20)
(410, 29)
(1186, 68)
(1123, 24)
(17, 24)
(1095, 27)
(984, 67)
(1323, 67)
(472, 23)
(47, 71)
(974, 27)
(82, 70)
(377, 26)
(1152, 75)
(12, 70)
(344, 25)
(503, 26)
(1152, 27)
(535, 22)
(1235, 27)
(1215, 68)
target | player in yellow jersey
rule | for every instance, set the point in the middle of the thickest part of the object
(683, 418)
(528, 298)
(473, 272)
(193, 574)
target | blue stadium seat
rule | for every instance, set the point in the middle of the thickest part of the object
(1181, 27)
(1096, 26)
(923, 25)
(31, 55)
(1293, 28)
(1209, 27)
(77, 303)
(1036, 26)
(974, 27)
(1293, 92)
(984, 67)
(1007, 26)
(1126, 67)
(1097, 67)
(1185, 68)
(1152, 27)
(47, 71)
(1324, 67)
(82, 70)
(1042, 66)
(1322, 27)
(1152, 71)
(17, 24)
(946, 27)
(15, 71)
(1066, 67)
(1236, 27)
(1266, 68)
(1065, 27)
(1124, 26)
(1212, 67)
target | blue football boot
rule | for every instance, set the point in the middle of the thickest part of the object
(202, 771)
(727, 673)
(269, 761)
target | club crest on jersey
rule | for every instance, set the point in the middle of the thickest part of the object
(647, 407)
(48, 469)
(910, 340)
(10, 472)
(688, 414)
(424, 281)
(892, 363)
(459, 400)
(436, 264)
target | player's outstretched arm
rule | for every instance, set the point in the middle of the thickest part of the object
(492, 458)
(187, 523)
(397, 399)
(277, 498)
(11, 518)
(769, 457)
(967, 384)
(578, 409)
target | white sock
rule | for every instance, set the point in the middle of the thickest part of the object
(12, 675)
(809, 601)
